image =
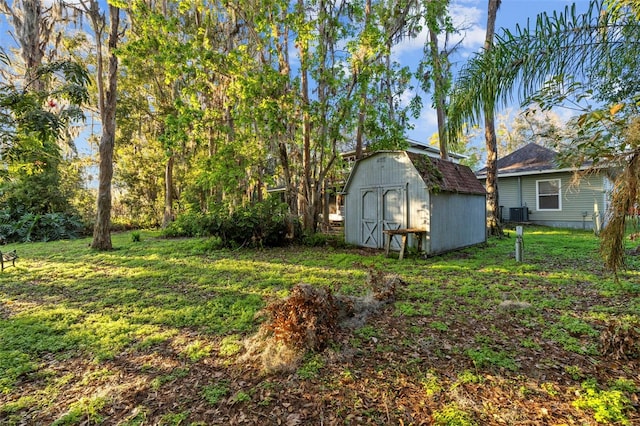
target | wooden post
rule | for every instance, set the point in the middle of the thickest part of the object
(519, 244)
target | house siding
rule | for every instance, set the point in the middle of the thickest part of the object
(588, 195)
(508, 190)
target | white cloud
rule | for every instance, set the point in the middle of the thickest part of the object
(424, 126)
(467, 16)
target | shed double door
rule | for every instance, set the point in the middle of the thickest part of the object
(382, 208)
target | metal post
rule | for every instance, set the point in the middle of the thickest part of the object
(519, 244)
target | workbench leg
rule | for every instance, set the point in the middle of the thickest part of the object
(403, 245)
(387, 244)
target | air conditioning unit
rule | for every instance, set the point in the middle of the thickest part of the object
(518, 214)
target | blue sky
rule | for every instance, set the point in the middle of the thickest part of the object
(470, 14)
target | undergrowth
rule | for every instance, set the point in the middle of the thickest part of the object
(160, 326)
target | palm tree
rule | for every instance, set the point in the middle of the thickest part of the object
(589, 56)
(493, 220)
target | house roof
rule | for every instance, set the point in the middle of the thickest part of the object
(445, 175)
(529, 158)
(413, 146)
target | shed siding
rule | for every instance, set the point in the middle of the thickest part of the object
(457, 220)
(586, 196)
(460, 216)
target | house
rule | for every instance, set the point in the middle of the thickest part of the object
(532, 188)
(389, 190)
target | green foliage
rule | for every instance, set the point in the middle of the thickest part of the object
(608, 406)
(241, 396)
(230, 345)
(574, 371)
(439, 325)
(311, 367)
(367, 332)
(485, 356)
(197, 350)
(468, 376)
(13, 364)
(625, 385)
(85, 408)
(215, 392)
(452, 415)
(174, 419)
(263, 224)
(410, 309)
(431, 384)
(30, 113)
(570, 332)
(316, 240)
(71, 319)
(19, 226)
(31, 334)
(37, 184)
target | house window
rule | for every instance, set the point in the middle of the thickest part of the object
(548, 194)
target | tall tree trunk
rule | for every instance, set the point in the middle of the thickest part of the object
(363, 95)
(308, 219)
(493, 210)
(107, 104)
(360, 128)
(167, 217)
(439, 93)
(33, 23)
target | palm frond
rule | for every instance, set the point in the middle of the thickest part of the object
(590, 48)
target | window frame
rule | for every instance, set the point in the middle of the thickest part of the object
(559, 184)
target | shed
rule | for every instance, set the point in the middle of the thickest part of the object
(396, 189)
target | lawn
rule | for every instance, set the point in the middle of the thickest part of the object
(154, 332)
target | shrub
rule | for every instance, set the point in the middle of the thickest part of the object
(16, 226)
(263, 224)
(191, 224)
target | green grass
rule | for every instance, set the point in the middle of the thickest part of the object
(172, 310)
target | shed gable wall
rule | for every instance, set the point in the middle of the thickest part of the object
(380, 173)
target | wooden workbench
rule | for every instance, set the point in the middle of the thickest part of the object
(404, 232)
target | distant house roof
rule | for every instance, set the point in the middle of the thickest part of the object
(445, 175)
(529, 159)
(415, 147)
